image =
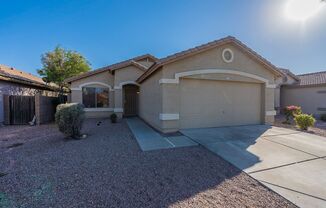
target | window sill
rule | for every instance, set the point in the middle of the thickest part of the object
(98, 109)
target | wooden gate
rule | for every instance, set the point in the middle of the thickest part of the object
(22, 109)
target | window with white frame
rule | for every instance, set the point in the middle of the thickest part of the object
(94, 97)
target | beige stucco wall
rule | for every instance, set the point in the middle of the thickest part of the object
(164, 99)
(268, 106)
(212, 59)
(309, 98)
(104, 77)
(98, 114)
(170, 105)
(150, 101)
(224, 77)
(122, 76)
(277, 98)
(129, 73)
(77, 96)
(287, 80)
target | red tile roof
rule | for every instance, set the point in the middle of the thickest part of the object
(11, 74)
(18, 74)
(315, 78)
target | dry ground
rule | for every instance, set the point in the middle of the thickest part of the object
(318, 129)
(108, 170)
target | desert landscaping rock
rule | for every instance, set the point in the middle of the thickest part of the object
(318, 129)
(107, 169)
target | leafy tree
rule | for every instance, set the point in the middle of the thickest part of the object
(61, 64)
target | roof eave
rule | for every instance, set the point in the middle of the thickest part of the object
(258, 57)
(152, 69)
(113, 68)
(305, 85)
(218, 43)
(29, 83)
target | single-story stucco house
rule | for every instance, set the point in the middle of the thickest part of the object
(221, 83)
(305, 90)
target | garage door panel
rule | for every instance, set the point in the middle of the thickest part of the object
(206, 103)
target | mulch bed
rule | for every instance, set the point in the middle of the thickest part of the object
(107, 169)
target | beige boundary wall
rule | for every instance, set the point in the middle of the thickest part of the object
(206, 65)
(312, 99)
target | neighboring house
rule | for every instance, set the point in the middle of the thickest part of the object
(16, 82)
(305, 90)
(288, 79)
(221, 83)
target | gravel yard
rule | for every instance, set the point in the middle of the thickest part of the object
(318, 129)
(109, 170)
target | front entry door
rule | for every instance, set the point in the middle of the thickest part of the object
(130, 100)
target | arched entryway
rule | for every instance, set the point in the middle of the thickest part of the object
(130, 100)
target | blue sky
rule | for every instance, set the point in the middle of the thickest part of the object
(110, 31)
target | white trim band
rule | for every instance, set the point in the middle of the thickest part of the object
(270, 113)
(168, 81)
(118, 110)
(169, 116)
(80, 87)
(272, 86)
(177, 76)
(98, 109)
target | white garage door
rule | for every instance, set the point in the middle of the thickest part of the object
(206, 103)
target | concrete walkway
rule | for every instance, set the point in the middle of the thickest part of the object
(148, 139)
(292, 163)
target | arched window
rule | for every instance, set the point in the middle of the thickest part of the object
(95, 97)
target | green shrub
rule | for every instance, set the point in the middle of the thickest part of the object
(113, 118)
(323, 117)
(304, 121)
(69, 118)
(291, 112)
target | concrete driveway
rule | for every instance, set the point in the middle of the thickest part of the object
(292, 163)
